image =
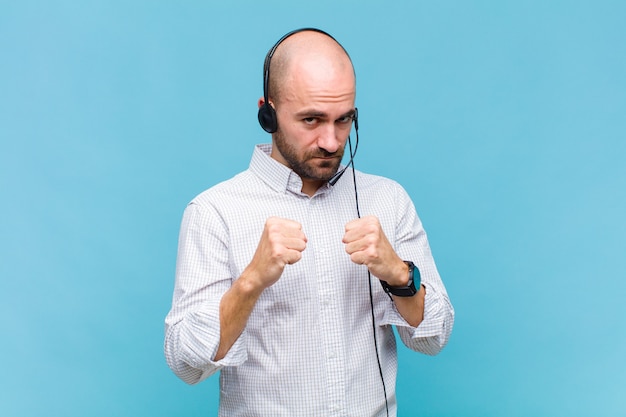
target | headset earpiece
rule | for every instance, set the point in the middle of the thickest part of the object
(267, 118)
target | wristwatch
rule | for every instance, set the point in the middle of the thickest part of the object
(411, 288)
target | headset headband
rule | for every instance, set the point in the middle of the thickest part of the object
(267, 114)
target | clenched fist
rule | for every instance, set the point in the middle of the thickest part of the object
(367, 245)
(282, 243)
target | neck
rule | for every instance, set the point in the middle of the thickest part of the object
(310, 187)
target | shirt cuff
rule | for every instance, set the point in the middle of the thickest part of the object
(202, 338)
(433, 319)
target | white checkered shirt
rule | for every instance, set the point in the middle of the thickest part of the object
(308, 347)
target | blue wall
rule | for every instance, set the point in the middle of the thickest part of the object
(504, 120)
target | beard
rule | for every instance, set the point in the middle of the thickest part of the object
(306, 166)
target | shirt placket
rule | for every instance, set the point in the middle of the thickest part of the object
(330, 307)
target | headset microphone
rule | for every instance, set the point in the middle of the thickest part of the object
(333, 180)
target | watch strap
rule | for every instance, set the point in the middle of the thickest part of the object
(412, 286)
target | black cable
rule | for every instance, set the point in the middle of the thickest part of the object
(369, 276)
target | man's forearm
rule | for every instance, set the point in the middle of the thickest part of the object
(235, 309)
(411, 308)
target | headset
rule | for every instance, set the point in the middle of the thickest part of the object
(269, 123)
(267, 113)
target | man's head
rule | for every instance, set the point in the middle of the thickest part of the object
(312, 89)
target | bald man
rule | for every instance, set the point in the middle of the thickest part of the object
(281, 284)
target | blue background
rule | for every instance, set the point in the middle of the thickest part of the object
(505, 121)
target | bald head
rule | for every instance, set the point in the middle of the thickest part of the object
(304, 53)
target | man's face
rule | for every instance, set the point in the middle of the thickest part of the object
(314, 113)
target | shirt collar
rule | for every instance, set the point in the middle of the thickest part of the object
(276, 175)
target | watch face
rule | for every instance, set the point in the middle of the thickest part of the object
(416, 274)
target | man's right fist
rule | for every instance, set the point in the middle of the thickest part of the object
(282, 243)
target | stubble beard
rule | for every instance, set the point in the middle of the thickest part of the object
(302, 165)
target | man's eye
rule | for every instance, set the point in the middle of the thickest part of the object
(309, 120)
(345, 119)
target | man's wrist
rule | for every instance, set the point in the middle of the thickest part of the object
(412, 286)
(249, 283)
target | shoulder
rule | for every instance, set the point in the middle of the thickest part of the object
(216, 207)
(378, 184)
(225, 190)
(381, 196)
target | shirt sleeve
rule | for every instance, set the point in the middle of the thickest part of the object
(192, 327)
(411, 243)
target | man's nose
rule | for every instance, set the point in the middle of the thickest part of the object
(328, 139)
